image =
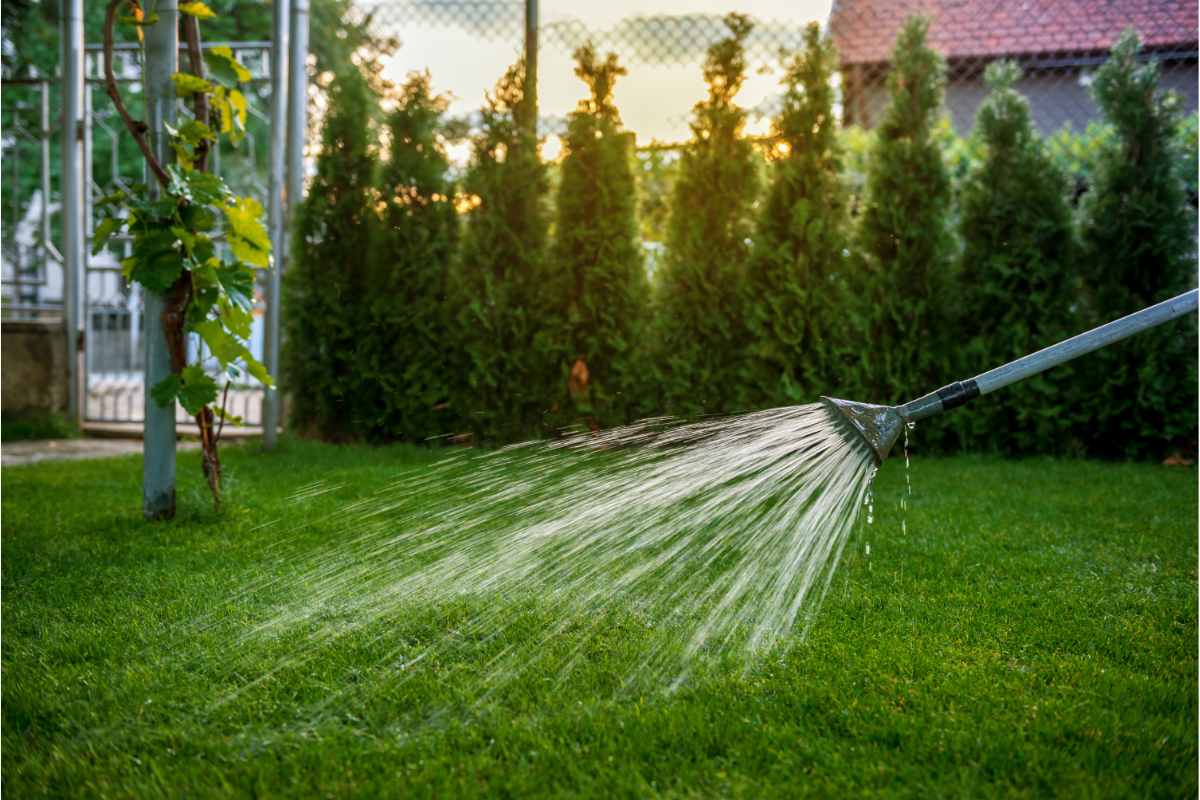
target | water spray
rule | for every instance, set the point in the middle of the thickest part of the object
(881, 426)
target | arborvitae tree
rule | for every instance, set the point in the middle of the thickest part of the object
(794, 287)
(905, 301)
(402, 357)
(599, 277)
(701, 336)
(503, 378)
(1019, 288)
(1139, 238)
(326, 281)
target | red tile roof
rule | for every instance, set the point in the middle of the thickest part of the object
(865, 30)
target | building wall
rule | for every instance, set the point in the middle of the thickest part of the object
(33, 366)
(1056, 98)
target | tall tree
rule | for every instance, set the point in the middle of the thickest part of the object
(324, 285)
(1139, 240)
(600, 279)
(402, 352)
(503, 377)
(700, 332)
(1018, 273)
(796, 276)
(904, 237)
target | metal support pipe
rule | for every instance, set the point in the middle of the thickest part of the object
(158, 443)
(531, 63)
(72, 196)
(275, 210)
(297, 131)
(45, 142)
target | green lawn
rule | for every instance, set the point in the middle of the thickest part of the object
(1033, 634)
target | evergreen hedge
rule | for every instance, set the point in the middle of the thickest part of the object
(1139, 240)
(505, 374)
(1019, 290)
(402, 368)
(327, 279)
(906, 290)
(795, 286)
(701, 335)
(597, 318)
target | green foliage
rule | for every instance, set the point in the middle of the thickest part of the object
(1139, 238)
(327, 278)
(598, 316)
(1017, 271)
(701, 335)
(505, 373)
(400, 371)
(795, 284)
(174, 235)
(906, 292)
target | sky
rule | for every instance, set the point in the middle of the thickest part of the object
(654, 99)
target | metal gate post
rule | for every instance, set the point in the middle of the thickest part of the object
(531, 63)
(276, 187)
(158, 444)
(72, 197)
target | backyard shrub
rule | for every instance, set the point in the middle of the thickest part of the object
(701, 335)
(326, 281)
(504, 373)
(905, 290)
(598, 278)
(401, 365)
(1139, 237)
(1019, 288)
(794, 285)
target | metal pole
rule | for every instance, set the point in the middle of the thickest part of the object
(279, 107)
(72, 195)
(45, 131)
(158, 444)
(531, 63)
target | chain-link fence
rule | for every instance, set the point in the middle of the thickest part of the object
(465, 45)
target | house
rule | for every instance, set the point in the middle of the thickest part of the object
(1058, 44)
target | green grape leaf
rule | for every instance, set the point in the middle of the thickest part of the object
(237, 319)
(187, 85)
(194, 131)
(238, 283)
(165, 391)
(198, 389)
(107, 227)
(221, 343)
(207, 188)
(157, 263)
(196, 9)
(229, 417)
(224, 67)
(247, 237)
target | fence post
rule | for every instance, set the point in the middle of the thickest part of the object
(72, 196)
(531, 63)
(276, 187)
(158, 443)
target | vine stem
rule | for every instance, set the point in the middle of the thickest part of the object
(136, 128)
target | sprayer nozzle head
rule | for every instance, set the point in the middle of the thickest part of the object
(879, 426)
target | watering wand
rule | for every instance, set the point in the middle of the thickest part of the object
(880, 426)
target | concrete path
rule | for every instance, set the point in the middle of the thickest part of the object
(14, 454)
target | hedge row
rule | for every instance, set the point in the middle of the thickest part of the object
(877, 266)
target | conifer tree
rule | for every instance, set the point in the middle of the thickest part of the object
(327, 279)
(1139, 237)
(794, 284)
(402, 357)
(701, 336)
(904, 236)
(1018, 272)
(598, 275)
(503, 378)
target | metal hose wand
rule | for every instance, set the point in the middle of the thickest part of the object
(880, 426)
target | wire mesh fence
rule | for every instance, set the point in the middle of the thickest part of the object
(465, 45)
